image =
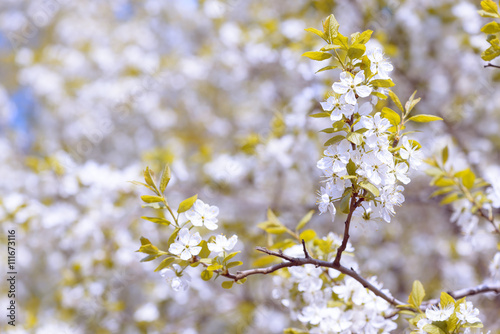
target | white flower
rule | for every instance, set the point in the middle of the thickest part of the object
(178, 280)
(379, 64)
(401, 169)
(338, 108)
(186, 244)
(421, 324)
(336, 157)
(222, 243)
(307, 276)
(327, 195)
(203, 214)
(389, 197)
(377, 125)
(351, 86)
(468, 313)
(410, 153)
(440, 314)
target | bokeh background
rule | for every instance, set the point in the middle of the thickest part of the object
(94, 91)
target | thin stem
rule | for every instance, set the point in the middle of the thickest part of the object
(341, 249)
(484, 288)
(491, 65)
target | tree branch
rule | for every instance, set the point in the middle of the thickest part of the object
(295, 262)
(491, 65)
(468, 292)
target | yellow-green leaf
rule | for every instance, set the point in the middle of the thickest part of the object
(491, 28)
(151, 199)
(307, 235)
(326, 68)
(446, 299)
(157, 220)
(424, 118)
(355, 138)
(227, 284)
(317, 55)
(165, 178)
(391, 115)
(165, 263)
(396, 100)
(206, 275)
(317, 32)
(333, 140)
(305, 220)
(187, 204)
(385, 83)
(417, 294)
(370, 187)
(233, 264)
(468, 178)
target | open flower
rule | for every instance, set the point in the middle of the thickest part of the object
(379, 64)
(176, 277)
(440, 314)
(203, 214)
(351, 86)
(186, 244)
(222, 243)
(410, 153)
(468, 313)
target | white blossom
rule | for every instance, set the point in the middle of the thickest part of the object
(468, 313)
(435, 313)
(203, 214)
(379, 65)
(410, 153)
(222, 243)
(186, 245)
(349, 86)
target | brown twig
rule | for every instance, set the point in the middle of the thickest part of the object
(305, 249)
(484, 288)
(491, 65)
(341, 249)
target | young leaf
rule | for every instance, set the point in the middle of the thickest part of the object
(233, 264)
(206, 275)
(317, 32)
(227, 284)
(391, 115)
(307, 235)
(326, 68)
(417, 294)
(165, 178)
(148, 177)
(317, 55)
(491, 28)
(468, 178)
(424, 118)
(355, 138)
(396, 100)
(370, 187)
(157, 220)
(334, 140)
(187, 204)
(151, 199)
(305, 220)
(444, 155)
(386, 83)
(165, 263)
(446, 299)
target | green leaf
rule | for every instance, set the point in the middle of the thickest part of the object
(444, 155)
(230, 256)
(424, 118)
(165, 178)
(145, 241)
(468, 178)
(491, 53)
(333, 140)
(370, 187)
(317, 55)
(355, 138)
(150, 257)
(326, 68)
(137, 183)
(148, 177)
(345, 201)
(431, 329)
(351, 168)
(151, 199)
(363, 37)
(444, 182)
(396, 100)
(491, 28)
(442, 191)
(356, 51)
(489, 6)
(449, 199)
(233, 264)
(158, 205)
(341, 41)
(446, 299)
(206, 275)
(165, 263)
(333, 26)
(205, 252)
(272, 227)
(391, 115)
(317, 32)
(294, 331)
(227, 284)
(173, 236)
(307, 235)
(305, 220)
(214, 266)
(157, 220)
(265, 261)
(320, 114)
(417, 294)
(187, 204)
(385, 83)
(148, 249)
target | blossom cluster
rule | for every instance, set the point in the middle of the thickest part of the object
(327, 301)
(188, 245)
(368, 156)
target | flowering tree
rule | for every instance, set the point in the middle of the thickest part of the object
(366, 161)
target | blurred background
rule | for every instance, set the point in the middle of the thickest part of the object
(94, 91)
